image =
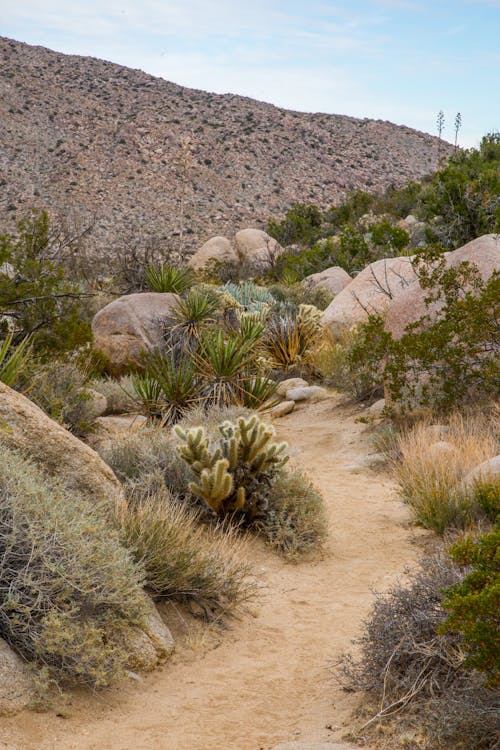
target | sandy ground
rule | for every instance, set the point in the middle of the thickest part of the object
(265, 680)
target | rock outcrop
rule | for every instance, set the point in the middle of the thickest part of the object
(409, 306)
(216, 250)
(371, 291)
(130, 326)
(256, 249)
(27, 428)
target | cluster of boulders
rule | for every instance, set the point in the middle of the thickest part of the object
(391, 287)
(252, 250)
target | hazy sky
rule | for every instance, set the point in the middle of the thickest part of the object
(398, 60)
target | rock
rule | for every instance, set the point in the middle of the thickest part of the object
(256, 249)
(150, 645)
(281, 410)
(310, 393)
(314, 746)
(333, 279)
(215, 250)
(130, 326)
(95, 403)
(377, 408)
(487, 471)
(371, 291)
(27, 428)
(17, 687)
(409, 306)
(290, 383)
(407, 223)
(112, 427)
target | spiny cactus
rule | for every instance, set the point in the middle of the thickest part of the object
(232, 476)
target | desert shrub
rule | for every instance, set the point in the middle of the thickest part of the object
(148, 453)
(430, 480)
(453, 360)
(232, 474)
(67, 586)
(183, 559)
(465, 194)
(38, 297)
(295, 519)
(417, 674)
(59, 388)
(118, 394)
(167, 278)
(295, 294)
(13, 359)
(300, 225)
(474, 603)
(353, 362)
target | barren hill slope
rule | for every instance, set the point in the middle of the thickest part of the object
(95, 140)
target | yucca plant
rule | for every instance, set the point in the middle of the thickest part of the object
(290, 339)
(259, 391)
(179, 385)
(224, 363)
(12, 361)
(192, 314)
(147, 390)
(167, 278)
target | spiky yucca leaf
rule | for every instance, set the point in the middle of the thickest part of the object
(178, 383)
(12, 361)
(166, 278)
(224, 363)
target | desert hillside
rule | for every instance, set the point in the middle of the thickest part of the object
(101, 143)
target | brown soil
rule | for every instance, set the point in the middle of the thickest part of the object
(265, 680)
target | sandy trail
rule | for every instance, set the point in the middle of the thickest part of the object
(265, 680)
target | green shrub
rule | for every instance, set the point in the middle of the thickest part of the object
(474, 603)
(118, 394)
(233, 474)
(67, 587)
(39, 297)
(453, 360)
(183, 559)
(295, 519)
(300, 225)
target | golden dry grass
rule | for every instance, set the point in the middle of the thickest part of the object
(432, 466)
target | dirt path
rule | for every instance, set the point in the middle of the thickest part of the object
(265, 680)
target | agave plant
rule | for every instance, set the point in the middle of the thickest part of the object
(166, 278)
(250, 296)
(12, 361)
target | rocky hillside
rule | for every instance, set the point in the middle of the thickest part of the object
(101, 143)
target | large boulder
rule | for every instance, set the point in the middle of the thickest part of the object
(409, 306)
(215, 250)
(17, 688)
(256, 249)
(333, 279)
(25, 427)
(130, 326)
(371, 291)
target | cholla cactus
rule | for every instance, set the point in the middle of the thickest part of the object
(309, 318)
(233, 475)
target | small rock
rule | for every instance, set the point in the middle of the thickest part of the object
(377, 408)
(307, 393)
(281, 410)
(486, 471)
(17, 688)
(287, 385)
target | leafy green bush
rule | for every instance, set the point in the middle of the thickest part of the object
(300, 225)
(68, 589)
(233, 474)
(295, 519)
(474, 603)
(183, 559)
(37, 296)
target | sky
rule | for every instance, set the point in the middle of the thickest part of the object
(397, 60)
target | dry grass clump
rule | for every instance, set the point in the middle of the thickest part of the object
(295, 519)
(118, 394)
(416, 675)
(430, 471)
(184, 559)
(144, 456)
(68, 588)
